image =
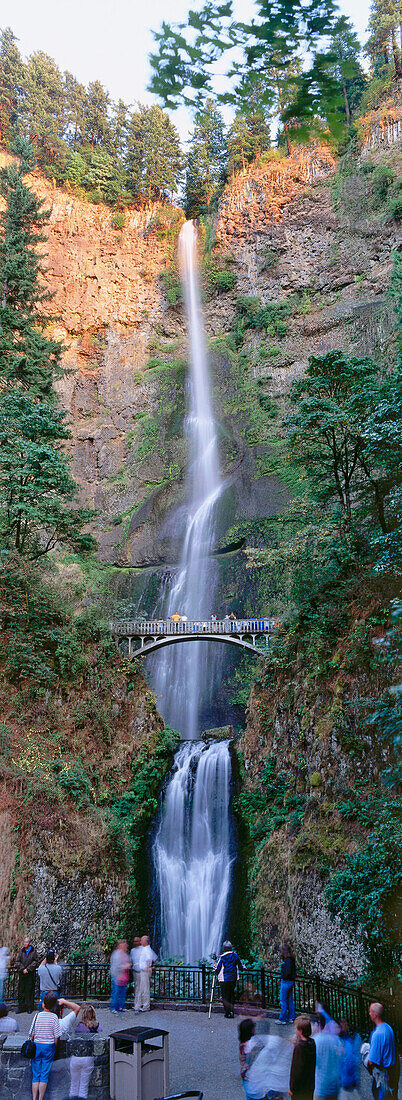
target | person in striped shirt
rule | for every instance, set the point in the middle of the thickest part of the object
(45, 1033)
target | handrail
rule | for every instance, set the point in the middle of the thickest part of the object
(85, 980)
(163, 627)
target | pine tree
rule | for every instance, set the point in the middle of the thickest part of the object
(385, 41)
(11, 79)
(43, 107)
(206, 160)
(347, 69)
(38, 505)
(154, 160)
(28, 356)
(75, 99)
(36, 489)
(97, 125)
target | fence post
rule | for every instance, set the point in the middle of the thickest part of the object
(263, 997)
(318, 989)
(203, 985)
(85, 980)
(360, 1011)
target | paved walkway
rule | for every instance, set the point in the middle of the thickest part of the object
(203, 1053)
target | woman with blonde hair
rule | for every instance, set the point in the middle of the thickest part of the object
(81, 1067)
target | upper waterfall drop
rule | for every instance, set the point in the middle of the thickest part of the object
(184, 678)
(192, 852)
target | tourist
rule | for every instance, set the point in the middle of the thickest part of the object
(227, 970)
(46, 1032)
(269, 1071)
(59, 1076)
(249, 1047)
(288, 974)
(135, 954)
(4, 968)
(81, 1065)
(184, 619)
(382, 1062)
(147, 960)
(302, 1070)
(26, 963)
(49, 973)
(233, 617)
(329, 1053)
(7, 1023)
(350, 1063)
(120, 964)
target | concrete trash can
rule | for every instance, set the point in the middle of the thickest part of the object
(139, 1063)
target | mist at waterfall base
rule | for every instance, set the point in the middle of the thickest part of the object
(193, 844)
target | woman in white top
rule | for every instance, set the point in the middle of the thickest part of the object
(46, 1034)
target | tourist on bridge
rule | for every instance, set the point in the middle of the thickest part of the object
(302, 1070)
(120, 964)
(288, 975)
(382, 1062)
(227, 971)
(147, 960)
(26, 963)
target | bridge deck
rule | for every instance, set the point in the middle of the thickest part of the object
(154, 634)
(137, 628)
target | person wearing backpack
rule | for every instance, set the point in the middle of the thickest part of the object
(227, 971)
(49, 973)
(288, 974)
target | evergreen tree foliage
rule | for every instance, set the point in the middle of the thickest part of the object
(38, 507)
(154, 158)
(101, 149)
(42, 107)
(248, 137)
(385, 40)
(11, 73)
(336, 436)
(28, 355)
(206, 160)
(36, 488)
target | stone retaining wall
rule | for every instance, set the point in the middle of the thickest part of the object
(16, 1072)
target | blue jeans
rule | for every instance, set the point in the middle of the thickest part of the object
(2, 980)
(42, 1062)
(287, 1012)
(118, 997)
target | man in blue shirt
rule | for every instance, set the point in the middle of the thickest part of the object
(382, 1062)
(329, 1052)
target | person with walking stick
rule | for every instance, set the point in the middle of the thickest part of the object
(227, 972)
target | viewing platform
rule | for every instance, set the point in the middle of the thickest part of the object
(143, 637)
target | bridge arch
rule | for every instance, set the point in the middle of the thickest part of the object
(159, 643)
(148, 636)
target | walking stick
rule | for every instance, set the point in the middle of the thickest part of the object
(212, 997)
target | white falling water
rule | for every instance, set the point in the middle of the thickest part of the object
(192, 847)
(192, 852)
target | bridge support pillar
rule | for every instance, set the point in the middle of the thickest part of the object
(253, 637)
(129, 646)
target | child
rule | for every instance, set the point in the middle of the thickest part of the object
(302, 1070)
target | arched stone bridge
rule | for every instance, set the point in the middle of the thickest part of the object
(146, 637)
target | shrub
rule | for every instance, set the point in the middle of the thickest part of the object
(119, 220)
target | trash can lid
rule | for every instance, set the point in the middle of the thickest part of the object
(138, 1034)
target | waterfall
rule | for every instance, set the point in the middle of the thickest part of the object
(191, 851)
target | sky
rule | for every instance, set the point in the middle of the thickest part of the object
(110, 40)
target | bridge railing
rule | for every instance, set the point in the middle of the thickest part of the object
(138, 628)
(193, 984)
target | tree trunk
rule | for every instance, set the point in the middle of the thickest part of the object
(397, 55)
(345, 96)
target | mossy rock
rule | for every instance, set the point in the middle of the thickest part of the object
(316, 779)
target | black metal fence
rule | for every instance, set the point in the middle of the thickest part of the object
(83, 981)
